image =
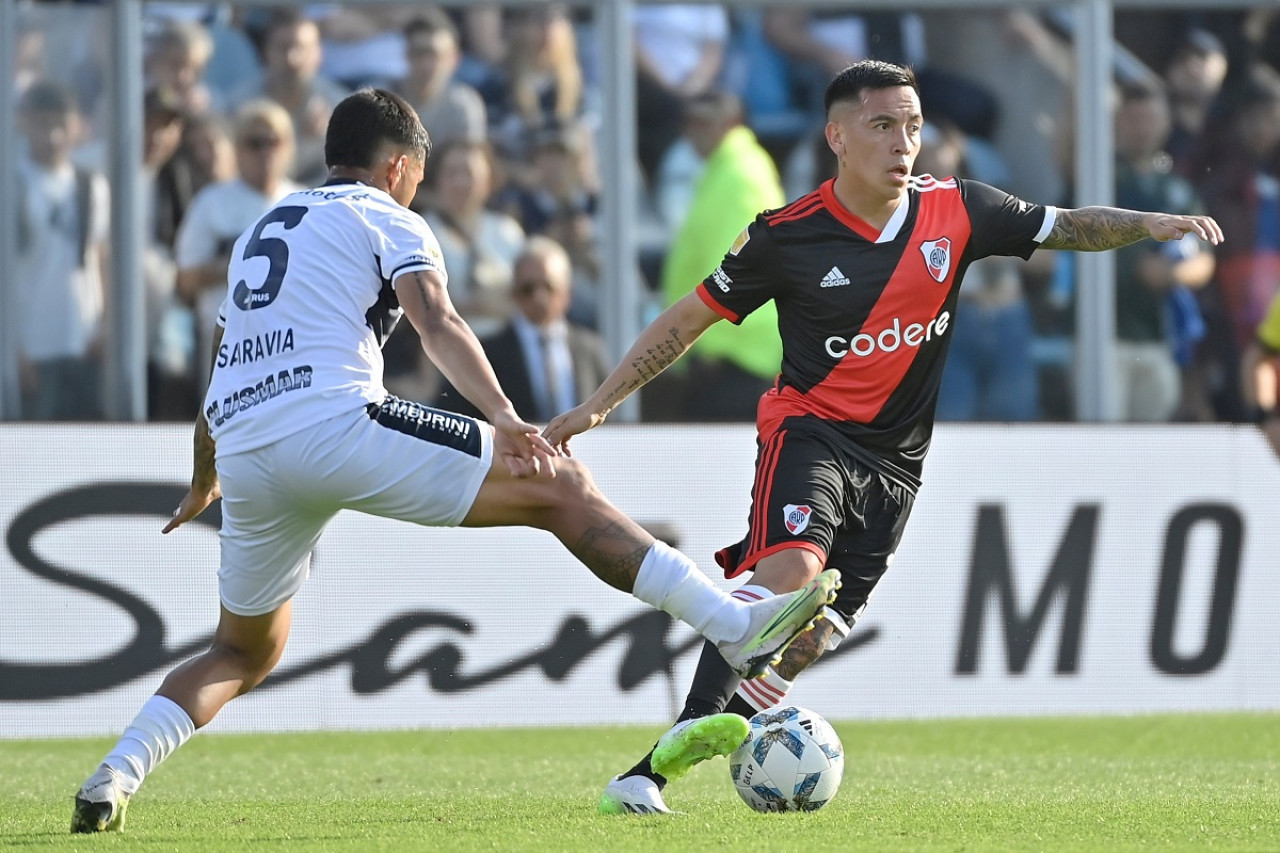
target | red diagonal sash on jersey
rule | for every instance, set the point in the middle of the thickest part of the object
(858, 387)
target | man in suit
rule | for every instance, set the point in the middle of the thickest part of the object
(545, 364)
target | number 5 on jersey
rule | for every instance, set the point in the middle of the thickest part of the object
(275, 250)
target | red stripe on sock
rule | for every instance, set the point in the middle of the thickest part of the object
(757, 700)
(768, 689)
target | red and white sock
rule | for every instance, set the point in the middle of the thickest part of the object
(766, 691)
(769, 689)
(751, 593)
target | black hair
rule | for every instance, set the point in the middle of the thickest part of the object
(366, 119)
(430, 20)
(850, 83)
(286, 18)
(46, 96)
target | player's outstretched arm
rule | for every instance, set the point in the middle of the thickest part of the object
(451, 345)
(205, 488)
(1096, 229)
(658, 347)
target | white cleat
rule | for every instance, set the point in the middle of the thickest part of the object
(775, 622)
(101, 803)
(637, 795)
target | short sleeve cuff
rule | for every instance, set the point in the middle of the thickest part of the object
(416, 263)
(705, 296)
(1050, 217)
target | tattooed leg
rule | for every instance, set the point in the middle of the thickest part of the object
(807, 648)
(614, 552)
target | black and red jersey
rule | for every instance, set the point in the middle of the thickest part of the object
(865, 316)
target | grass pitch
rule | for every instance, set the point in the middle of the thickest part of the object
(1194, 782)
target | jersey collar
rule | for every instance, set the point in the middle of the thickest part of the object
(859, 225)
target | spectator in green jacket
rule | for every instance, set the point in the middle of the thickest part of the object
(729, 368)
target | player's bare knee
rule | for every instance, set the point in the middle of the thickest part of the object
(574, 485)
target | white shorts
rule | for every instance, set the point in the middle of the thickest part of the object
(395, 459)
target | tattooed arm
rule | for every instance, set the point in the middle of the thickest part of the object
(1096, 229)
(205, 488)
(658, 347)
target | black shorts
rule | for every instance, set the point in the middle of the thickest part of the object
(811, 492)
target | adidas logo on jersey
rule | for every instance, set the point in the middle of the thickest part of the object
(835, 278)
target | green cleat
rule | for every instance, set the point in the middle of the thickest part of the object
(775, 622)
(101, 804)
(693, 741)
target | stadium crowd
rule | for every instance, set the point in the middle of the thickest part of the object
(729, 121)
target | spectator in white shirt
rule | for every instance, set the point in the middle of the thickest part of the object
(58, 278)
(680, 50)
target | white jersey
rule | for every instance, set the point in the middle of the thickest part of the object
(309, 304)
(217, 215)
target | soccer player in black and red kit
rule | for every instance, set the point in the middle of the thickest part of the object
(865, 273)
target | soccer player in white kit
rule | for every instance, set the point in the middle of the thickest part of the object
(297, 425)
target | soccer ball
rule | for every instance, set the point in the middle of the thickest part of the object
(792, 760)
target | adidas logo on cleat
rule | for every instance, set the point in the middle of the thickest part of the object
(835, 278)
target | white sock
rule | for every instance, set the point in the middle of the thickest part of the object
(750, 592)
(160, 728)
(766, 691)
(670, 581)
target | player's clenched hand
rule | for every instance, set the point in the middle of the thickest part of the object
(193, 503)
(520, 446)
(1166, 226)
(573, 422)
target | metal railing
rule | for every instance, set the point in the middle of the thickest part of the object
(622, 300)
